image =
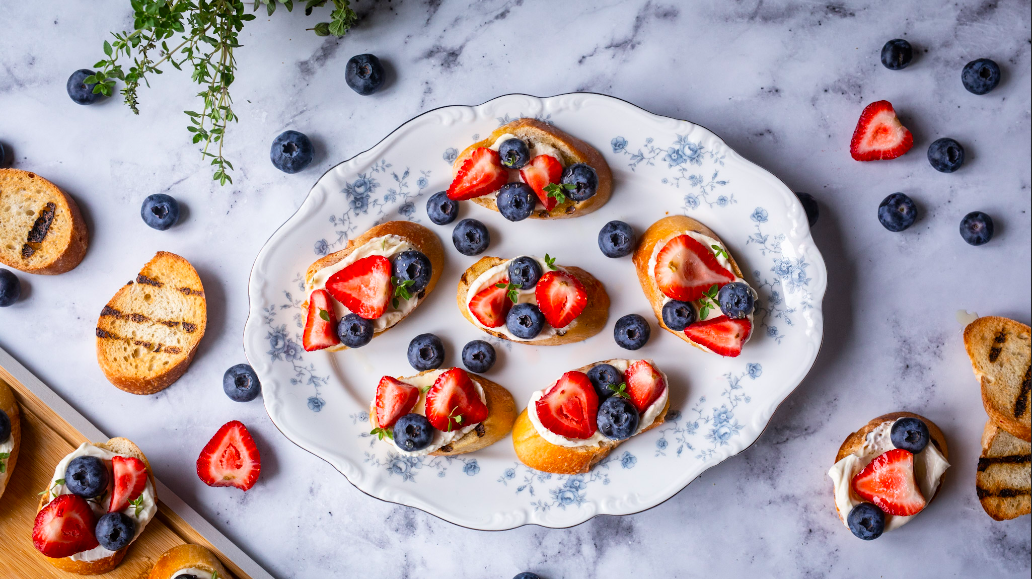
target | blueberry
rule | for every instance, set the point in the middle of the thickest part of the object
(354, 331)
(616, 239)
(514, 153)
(897, 54)
(976, 228)
(426, 352)
(3, 155)
(946, 155)
(617, 418)
(584, 180)
(909, 433)
(412, 266)
(115, 531)
(631, 332)
(10, 288)
(86, 476)
(980, 76)
(516, 201)
(364, 74)
(525, 321)
(470, 237)
(602, 377)
(81, 92)
(897, 212)
(813, 211)
(241, 383)
(440, 209)
(291, 152)
(736, 300)
(678, 315)
(478, 356)
(160, 211)
(5, 426)
(866, 521)
(525, 271)
(413, 432)
(527, 575)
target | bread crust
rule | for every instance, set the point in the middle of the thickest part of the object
(422, 238)
(590, 322)
(1003, 480)
(74, 252)
(573, 149)
(10, 406)
(539, 454)
(1005, 377)
(184, 556)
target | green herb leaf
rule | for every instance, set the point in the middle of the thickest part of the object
(324, 315)
(559, 191)
(512, 290)
(382, 433)
(401, 290)
(550, 262)
(137, 505)
(620, 390)
(720, 251)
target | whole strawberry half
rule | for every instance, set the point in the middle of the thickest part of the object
(453, 402)
(879, 135)
(321, 323)
(686, 269)
(230, 459)
(888, 482)
(541, 172)
(394, 399)
(64, 527)
(364, 287)
(480, 174)
(129, 476)
(561, 298)
(491, 304)
(644, 384)
(722, 335)
(570, 407)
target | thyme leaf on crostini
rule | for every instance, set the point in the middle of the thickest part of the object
(324, 315)
(512, 290)
(401, 290)
(50, 490)
(3, 461)
(708, 301)
(720, 252)
(381, 433)
(457, 419)
(137, 505)
(620, 390)
(550, 262)
(558, 190)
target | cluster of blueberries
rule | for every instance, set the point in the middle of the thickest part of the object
(87, 477)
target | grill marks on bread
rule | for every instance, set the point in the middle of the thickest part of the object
(1004, 478)
(38, 231)
(1001, 356)
(41, 228)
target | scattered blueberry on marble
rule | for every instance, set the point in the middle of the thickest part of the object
(160, 211)
(602, 376)
(866, 521)
(470, 237)
(976, 228)
(440, 209)
(413, 432)
(617, 418)
(478, 356)
(678, 315)
(516, 201)
(813, 211)
(525, 321)
(291, 152)
(616, 239)
(631, 332)
(980, 76)
(412, 266)
(584, 180)
(86, 476)
(354, 331)
(524, 271)
(527, 575)
(736, 300)
(81, 92)
(426, 352)
(909, 433)
(115, 531)
(10, 288)
(241, 383)
(897, 54)
(3, 155)
(945, 155)
(364, 74)
(514, 153)
(897, 212)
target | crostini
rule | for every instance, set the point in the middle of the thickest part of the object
(694, 285)
(887, 472)
(546, 173)
(1001, 350)
(365, 289)
(532, 300)
(99, 501)
(10, 434)
(186, 562)
(42, 230)
(441, 412)
(568, 427)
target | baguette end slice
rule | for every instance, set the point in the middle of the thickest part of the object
(1003, 480)
(1001, 352)
(180, 557)
(41, 228)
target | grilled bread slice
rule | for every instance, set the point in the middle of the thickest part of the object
(148, 333)
(41, 228)
(10, 406)
(1004, 480)
(1001, 352)
(181, 557)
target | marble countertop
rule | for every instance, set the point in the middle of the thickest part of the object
(783, 83)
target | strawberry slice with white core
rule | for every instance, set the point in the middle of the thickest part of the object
(364, 287)
(888, 482)
(480, 174)
(394, 399)
(644, 384)
(721, 335)
(129, 476)
(879, 135)
(561, 298)
(321, 324)
(570, 407)
(686, 269)
(491, 304)
(453, 402)
(64, 527)
(541, 172)
(230, 459)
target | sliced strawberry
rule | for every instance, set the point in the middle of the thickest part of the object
(561, 298)
(130, 477)
(364, 287)
(453, 402)
(480, 174)
(569, 408)
(888, 482)
(722, 335)
(321, 325)
(491, 304)
(394, 399)
(540, 172)
(644, 384)
(64, 527)
(685, 269)
(879, 135)
(230, 459)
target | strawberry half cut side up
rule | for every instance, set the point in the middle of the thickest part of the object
(889, 483)
(879, 135)
(230, 459)
(364, 287)
(480, 174)
(129, 476)
(394, 399)
(64, 527)
(686, 269)
(721, 335)
(644, 384)
(561, 298)
(570, 407)
(321, 325)
(491, 304)
(453, 402)
(541, 172)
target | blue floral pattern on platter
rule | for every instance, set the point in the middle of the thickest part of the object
(688, 163)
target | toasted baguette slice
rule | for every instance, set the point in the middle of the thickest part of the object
(9, 405)
(188, 556)
(1001, 352)
(501, 413)
(539, 454)
(1004, 478)
(41, 228)
(420, 237)
(148, 333)
(591, 321)
(124, 447)
(573, 151)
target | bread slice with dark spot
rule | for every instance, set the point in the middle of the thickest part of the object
(41, 228)
(1001, 353)
(1004, 478)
